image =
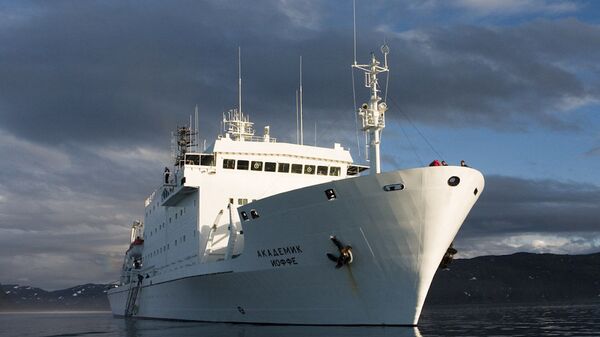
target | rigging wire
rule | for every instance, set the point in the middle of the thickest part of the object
(405, 114)
(354, 26)
(387, 73)
(353, 82)
(412, 146)
(387, 83)
(355, 113)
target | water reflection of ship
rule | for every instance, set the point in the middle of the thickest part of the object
(132, 327)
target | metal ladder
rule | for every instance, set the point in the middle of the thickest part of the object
(132, 297)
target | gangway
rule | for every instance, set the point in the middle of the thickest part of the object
(134, 290)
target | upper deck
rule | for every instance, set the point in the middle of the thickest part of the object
(288, 165)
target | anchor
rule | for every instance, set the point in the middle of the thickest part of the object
(448, 257)
(345, 253)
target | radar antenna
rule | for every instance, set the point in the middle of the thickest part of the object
(372, 113)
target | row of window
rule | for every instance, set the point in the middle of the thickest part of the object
(163, 225)
(240, 201)
(164, 248)
(281, 167)
(149, 211)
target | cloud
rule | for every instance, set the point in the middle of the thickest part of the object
(67, 208)
(114, 73)
(512, 205)
(572, 243)
(593, 152)
(516, 214)
(513, 7)
(498, 77)
(302, 13)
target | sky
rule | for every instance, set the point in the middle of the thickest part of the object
(90, 91)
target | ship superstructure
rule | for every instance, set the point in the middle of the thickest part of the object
(188, 218)
(259, 231)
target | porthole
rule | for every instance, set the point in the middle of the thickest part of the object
(393, 187)
(244, 216)
(453, 181)
(254, 214)
(475, 191)
(330, 194)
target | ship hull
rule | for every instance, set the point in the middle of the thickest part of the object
(399, 225)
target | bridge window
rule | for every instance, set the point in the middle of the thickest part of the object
(229, 164)
(334, 171)
(284, 168)
(242, 202)
(296, 168)
(322, 170)
(257, 166)
(270, 167)
(192, 159)
(242, 164)
(309, 169)
(207, 160)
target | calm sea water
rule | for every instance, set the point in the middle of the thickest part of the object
(557, 320)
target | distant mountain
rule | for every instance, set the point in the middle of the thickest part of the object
(517, 278)
(84, 297)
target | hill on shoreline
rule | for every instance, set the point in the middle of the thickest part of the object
(516, 278)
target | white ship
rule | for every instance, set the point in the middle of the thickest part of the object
(252, 230)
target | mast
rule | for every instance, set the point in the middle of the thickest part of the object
(240, 80)
(372, 113)
(297, 121)
(196, 128)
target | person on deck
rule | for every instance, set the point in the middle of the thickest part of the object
(435, 163)
(167, 173)
(463, 164)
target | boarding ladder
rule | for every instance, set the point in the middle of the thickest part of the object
(134, 291)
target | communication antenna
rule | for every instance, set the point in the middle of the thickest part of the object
(240, 80)
(372, 113)
(196, 127)
(354, 26)
(297, 121)
(301, 124)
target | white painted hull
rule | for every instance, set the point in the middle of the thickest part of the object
(398, 239)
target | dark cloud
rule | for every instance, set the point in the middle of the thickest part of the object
(512, 205)
(542, 216)
(69, 208)
(107, 72)
(498, 77)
